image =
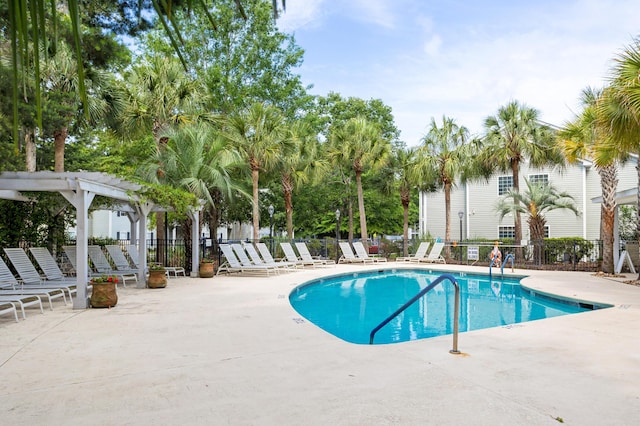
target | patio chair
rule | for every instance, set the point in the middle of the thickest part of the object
(306, 257)
(30, 276)
(133, 255)
(48, 264)
(291, 255)
(348, 256)
(102, 265)
(241, 254)
(420, 254)
(435, 255)
(232, 264)
(23, 301)
(266, 255)
(361, 253)
(9, 286)
(9, 308)
(257, 260)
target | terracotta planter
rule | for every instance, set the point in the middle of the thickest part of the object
(206, 270)
(157, 279)
(104, 295)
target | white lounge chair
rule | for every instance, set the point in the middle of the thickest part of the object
(291, 255)
(361, 253)
(48, 265)
(9, 308)
(232, 264)
(102, 265)
(420, 254)
(30, 276)
(242, 256)
(348, 256)
(9, 286)
(306, 257)
(257, 260)
(266, 255)
(23, 301)
(435, 255)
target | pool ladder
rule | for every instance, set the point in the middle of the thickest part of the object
(506, 259)
(456, 310)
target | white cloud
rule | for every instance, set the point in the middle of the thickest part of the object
(300, 14)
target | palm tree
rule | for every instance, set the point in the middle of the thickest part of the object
(618, 109)
(582, 139)
(535, 202)
(299, 165)
(258, 134)
(400, 176)
(196, 160)
(513, 136)
(442, 158)
(359, 142)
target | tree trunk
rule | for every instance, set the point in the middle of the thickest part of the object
(405, 197)
(350, 213)
(59, 138)
(517, 221)
(363, 217)
(609, 184)
(638, 211)
(255, 175)
(447, 219)
(287, 189)
(30, 149)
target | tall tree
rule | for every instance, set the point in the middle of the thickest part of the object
(442, 158)
(618, 109)
(535, 202)
(582, 139)
(258, 134)
(515, 135)
(360, 143)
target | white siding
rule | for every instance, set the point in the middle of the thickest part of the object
(478, 201)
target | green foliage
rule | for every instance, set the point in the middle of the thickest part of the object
(555, 249)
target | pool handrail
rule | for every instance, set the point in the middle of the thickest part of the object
(456, 310)
(507, 258)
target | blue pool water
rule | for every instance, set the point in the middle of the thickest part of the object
(350, 306)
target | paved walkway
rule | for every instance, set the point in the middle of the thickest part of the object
(230, 350)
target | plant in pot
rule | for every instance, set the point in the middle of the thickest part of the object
(157, 276)
(103, 293)
(207, 268)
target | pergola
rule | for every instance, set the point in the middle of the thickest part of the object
(80, 189)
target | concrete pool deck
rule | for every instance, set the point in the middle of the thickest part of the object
(231, 350)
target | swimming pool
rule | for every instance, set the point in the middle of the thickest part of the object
(350, 306)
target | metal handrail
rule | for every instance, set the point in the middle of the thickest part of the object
(509, 256)
(456, 309)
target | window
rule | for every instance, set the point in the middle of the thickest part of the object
(505, 183)
(506, 232)
(539, 179)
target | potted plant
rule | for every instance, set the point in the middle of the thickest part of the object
(104, 294)
(207, 268)
(157, 276)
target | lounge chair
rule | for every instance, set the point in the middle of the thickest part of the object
(48, 264)
(30, 276)
(361, 253)
(257, 260)
(420, 254)
(242, 256)
(232, 264)
(133, 255)
(306, 257)
(9, 308)
(266, 255)
(435, 255)
(348, 256)
(23, 301)
(291, 255)
(9, 286)
(102, 265)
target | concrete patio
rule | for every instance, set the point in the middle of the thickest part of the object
(231, 350)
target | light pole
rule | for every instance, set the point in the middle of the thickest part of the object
(337, 233)
(271, 210)
(460, 215)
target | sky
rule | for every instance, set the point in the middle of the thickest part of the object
(462, 59)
